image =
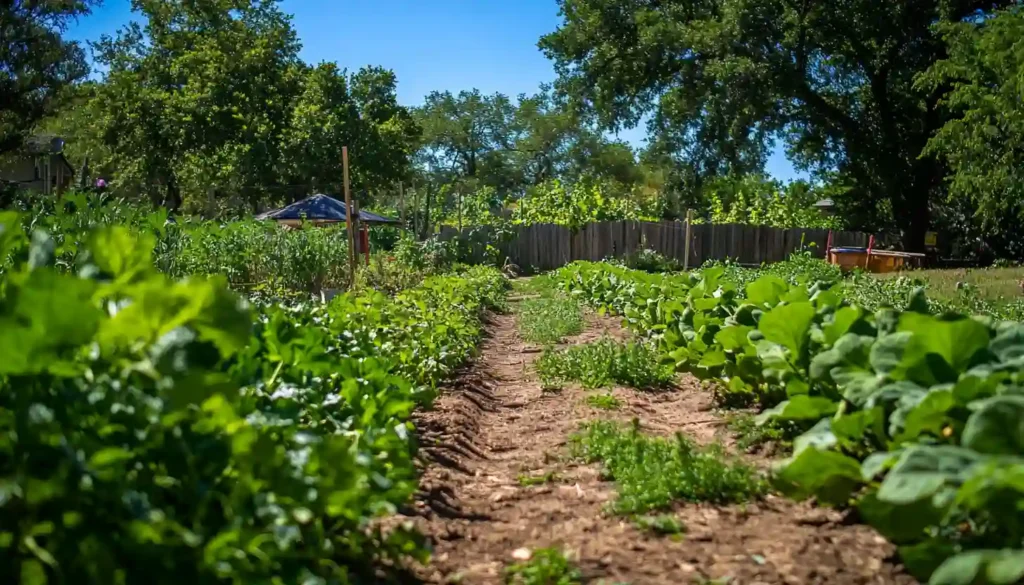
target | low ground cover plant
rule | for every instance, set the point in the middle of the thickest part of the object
(602, 364)
(651, 473)
(546, 566)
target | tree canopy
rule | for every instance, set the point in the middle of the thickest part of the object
(983, 143)
(723, 79)
(35, 63)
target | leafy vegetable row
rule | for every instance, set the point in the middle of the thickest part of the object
(160, 431)
(917, 420)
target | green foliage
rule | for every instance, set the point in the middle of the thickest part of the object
(153, 430)
(207, 105)
(604, 401)
(661, 524)
(547, 566)
(749, 433)
(723, 81)
(982, 77)
(249, 253)
(550, 318)
(604, 363)
(651, 261)
(756, 200)
(910, 417)
(651, 472)
(579, 204)
(432, 254)
(38, 64)
(532, 480)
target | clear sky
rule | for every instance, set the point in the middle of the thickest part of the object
(430, 44)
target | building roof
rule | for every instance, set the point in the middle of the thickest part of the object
(825, 203)
(321, 207)
(44, 144)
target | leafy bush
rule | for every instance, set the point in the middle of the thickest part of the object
(653, 472)
(604, 363)
(581, 203)
(651, 261)
(431, 255)
(153, 431)
(910, 417)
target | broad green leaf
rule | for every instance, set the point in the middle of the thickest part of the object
(922, 558)
(1009, 343)
(842, 320)
(981, 567)
(44, 319)
(996, 426)
(734, 338)
(928, 416)
(850, 353)
(899, 522)
(928, 473)
(788, 326)
(118, 252)
(938, 350)
(766, 290)
(827, 475)
(820, 436)
(887, 352)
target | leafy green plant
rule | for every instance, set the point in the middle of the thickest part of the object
(905, 415)
(143, 419)
(651, 261)
(661, 524)
(653, 472)
(546, 566)
(604, 363)
(604, 401)
(548, 320)
(531, 480)
(751, 433)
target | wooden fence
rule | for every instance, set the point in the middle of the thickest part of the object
(548, 246)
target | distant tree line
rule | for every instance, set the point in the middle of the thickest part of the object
(908, 115)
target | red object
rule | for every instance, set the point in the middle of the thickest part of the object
(364, 242)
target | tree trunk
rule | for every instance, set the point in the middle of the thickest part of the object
(914, 218)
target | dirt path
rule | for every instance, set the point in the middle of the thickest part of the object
(496, 425)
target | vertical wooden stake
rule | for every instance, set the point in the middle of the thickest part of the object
(415, 211)
(686, 245)
(460, 209)
(401, 203)
(348, 219)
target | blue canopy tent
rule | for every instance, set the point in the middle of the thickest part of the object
(319, 209)
(326, 210)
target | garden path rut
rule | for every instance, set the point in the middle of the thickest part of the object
(495, 424)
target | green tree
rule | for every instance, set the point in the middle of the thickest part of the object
(722, 79)
(360, 111)
(197, 98)
(983, 143)
(35, 63)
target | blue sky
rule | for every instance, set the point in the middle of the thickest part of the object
(430, 44)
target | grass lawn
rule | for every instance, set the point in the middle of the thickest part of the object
(992, 284)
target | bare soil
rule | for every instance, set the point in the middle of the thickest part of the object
(495, 425)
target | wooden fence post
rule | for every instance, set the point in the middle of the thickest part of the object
(348, 219)
(401, 203)
(686, 244)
